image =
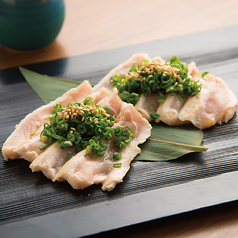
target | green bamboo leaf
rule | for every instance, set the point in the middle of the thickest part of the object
(165, 143)
(46, 87)
(168, 143)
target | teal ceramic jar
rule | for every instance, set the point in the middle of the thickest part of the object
(30, 24)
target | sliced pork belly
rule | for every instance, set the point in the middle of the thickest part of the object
(121, 68)
(28, 127)
(82, 171)
(215, 104)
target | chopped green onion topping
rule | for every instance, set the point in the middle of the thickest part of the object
(42, 147)
(156, 77)
(117, 165)
(205, 73)
(117, 156)
(152, 106)
(68, 154)
(86, 126)
(154, 115)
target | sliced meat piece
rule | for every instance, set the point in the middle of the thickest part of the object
(30, 149)
(52, 159)
(169, 111)
(113, 101)
(193, 71)
(121, 68)
(215, 104)
(141, 130)
(147, 105)
(99, 95)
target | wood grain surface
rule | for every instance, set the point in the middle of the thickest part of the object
(92, 26)
(100, 25)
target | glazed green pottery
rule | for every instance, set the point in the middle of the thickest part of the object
(30, 24)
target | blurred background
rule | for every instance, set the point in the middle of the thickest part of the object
(92, 25)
